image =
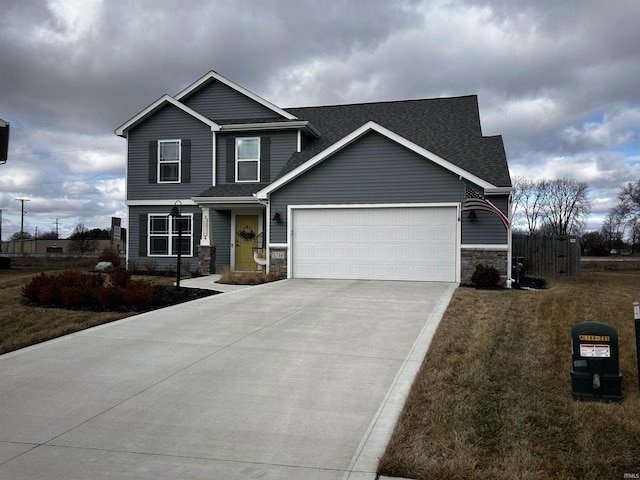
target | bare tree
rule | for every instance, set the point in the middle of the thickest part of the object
(553, 207)
(529, 201)
(629, 209)
(567, 205)
(52, 235)
(613, 229)
(82, 241)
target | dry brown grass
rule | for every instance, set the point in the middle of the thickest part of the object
(230, 277)
(493, 397)
(22, 325)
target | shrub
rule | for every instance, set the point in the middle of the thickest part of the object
(485, 276)
(49, 294)
(32, 290)
(75, 278)
(110, 296)
(120, 277)
(139, 294)
(151, 266)
(78, 289)
(77, 296)
(110, 255)
(70, 289)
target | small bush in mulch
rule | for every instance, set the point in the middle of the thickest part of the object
(485, 276)
(81, 291)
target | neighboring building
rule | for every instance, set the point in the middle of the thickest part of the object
(41, 246)
(362, 191)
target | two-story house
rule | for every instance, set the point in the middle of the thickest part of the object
(401, 190)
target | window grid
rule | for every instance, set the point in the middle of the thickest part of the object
(163, 235)
(248, 159)
(169, 161)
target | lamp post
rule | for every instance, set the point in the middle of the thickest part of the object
(175, 213)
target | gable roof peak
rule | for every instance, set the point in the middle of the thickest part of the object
(155, 106)
(212, 75)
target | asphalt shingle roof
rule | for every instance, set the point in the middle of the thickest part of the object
(448, 127)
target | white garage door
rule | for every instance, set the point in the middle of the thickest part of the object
(417, 244)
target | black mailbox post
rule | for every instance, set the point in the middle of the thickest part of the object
(595, 374)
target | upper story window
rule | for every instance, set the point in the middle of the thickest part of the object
(248, 159)
(169, 161)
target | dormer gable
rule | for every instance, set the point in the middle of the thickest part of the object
(223, 101)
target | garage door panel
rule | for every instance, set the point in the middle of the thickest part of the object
(375, 243)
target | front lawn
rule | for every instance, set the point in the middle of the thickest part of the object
(493, 397)
(22, 325)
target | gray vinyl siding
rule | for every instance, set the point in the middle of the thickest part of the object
(217, 101)
(375, 170)
(371, 170)
(169, 123)
(221, 237)
(138, 260)
(283, 145)
(486, 228)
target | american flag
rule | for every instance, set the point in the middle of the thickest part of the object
(475, 201)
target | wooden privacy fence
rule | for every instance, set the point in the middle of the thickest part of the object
(547, 255)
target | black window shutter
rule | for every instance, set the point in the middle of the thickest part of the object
(231, 160)
(153, 161)
(186, 161)
(265, 159)
(142, 235)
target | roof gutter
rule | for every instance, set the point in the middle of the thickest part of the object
(498, 190)
(301, 124)
(226, 200)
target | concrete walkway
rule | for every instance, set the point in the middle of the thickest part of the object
(298, 379)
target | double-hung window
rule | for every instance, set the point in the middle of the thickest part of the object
(248, 159)
(164, 234)
(169, 161)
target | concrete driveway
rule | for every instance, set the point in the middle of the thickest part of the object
(298, 379)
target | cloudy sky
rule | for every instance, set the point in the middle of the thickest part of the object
(558, 79)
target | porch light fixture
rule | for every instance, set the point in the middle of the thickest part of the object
(176, 213)
(277, 217)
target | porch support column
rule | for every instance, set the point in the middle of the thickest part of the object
(206, 252)
(205, 234)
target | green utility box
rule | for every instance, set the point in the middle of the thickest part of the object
(595, 374)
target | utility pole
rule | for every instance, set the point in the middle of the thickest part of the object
(1, 210)
(22, 200)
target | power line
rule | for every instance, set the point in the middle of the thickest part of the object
(62, 151)
(89, 179)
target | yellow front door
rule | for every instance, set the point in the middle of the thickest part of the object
(246, 233)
